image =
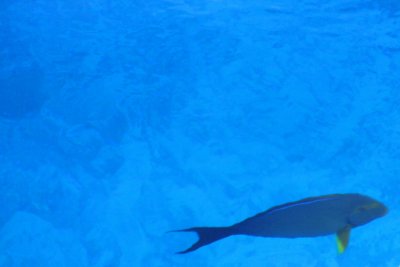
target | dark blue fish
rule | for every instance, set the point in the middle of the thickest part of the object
(310, 217)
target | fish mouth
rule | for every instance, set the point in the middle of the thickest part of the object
(385, 211)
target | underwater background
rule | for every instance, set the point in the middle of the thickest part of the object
(122, 120)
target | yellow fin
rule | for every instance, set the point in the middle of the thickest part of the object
(343, 238)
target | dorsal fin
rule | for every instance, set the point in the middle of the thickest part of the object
(304, 201)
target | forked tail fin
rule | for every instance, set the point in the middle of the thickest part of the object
(206, 235)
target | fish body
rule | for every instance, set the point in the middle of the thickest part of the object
(309, 217)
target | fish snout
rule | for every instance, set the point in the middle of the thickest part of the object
(385, 210)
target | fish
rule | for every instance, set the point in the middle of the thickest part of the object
(310, 217)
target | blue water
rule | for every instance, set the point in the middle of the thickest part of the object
(121, 120)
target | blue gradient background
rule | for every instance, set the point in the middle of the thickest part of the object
(121, 120)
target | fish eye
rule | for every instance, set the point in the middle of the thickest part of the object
(368, 207)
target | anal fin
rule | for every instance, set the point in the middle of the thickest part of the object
(343, 238)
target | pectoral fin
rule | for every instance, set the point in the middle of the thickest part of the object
(343, 238)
